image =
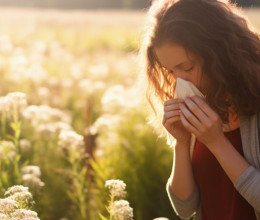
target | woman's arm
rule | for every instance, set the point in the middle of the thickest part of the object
(204, 123)
(181, 187)
(229, 158)
(182, 179)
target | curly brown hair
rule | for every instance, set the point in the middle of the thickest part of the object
(217, 32)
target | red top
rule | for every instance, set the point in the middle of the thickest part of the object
(219, 198)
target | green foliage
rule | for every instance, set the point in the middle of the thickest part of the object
(142, 160)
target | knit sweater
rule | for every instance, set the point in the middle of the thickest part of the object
(247, 184)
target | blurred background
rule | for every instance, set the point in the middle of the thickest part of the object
(80, 118)
(98, 4)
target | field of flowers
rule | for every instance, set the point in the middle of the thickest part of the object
(73, 122)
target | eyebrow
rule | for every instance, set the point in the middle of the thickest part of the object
(180, 64)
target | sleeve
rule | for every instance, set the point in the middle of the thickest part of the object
(248, 185)
(185, 209)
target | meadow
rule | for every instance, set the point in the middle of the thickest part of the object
(73, 117)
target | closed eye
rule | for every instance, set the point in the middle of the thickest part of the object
(190, 69)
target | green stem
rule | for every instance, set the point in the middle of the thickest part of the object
(110, 204)
(79, 193)
(3, 123)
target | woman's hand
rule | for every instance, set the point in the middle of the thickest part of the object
(172, 122)
(198, 118)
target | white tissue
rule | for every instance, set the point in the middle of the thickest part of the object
(183, 89)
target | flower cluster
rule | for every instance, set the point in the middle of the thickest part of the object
(7, 150)
(116, 187)
(47, 120)
(71, 142)
(13, 101)
(16, 205)
(121, 210)
(118, 209)
(7, 205)
(31, 177)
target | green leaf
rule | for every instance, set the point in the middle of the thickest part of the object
(102, 217)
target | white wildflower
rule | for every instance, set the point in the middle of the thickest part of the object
(116, 187)
(17, 99)
(24, 199)
(90, 87)
(98, 71)
(28, 218)
(32, 181)
(3, 217)
(121, 210)
(104, 122)
(24, 144)
(23, 213)
(7, 205)
(62, 126)
(6, 45)
(71, 143)
(69, 139)
(53, 81)
(35, 73)
(17, 63)
(16, 189)
(67, 83)
(76, 71)
(31, 169)
(43, 92)
(5, 103)
(45, 114)
(38, 46)
(48, 130)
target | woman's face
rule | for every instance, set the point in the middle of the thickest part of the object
(182, 64)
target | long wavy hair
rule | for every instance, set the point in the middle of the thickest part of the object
(217, 32)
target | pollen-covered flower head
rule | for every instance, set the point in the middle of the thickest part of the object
(70, 141)
(7, 205)
(32, 181)
(25, 144)
(121, 210)
(31, 169)
(24, 214)
(116, 187)
(3, 216)
(24, 199)
(17, 99)
(16, 189)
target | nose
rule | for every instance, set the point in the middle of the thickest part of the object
(177, 74)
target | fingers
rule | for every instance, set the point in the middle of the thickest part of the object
(187, 125)
(190, 118)
(170, 121)
(172, 104)
(196, 111)
(204, 107)
(172, 101)
(170, 114)
(171, 109)
(196, 115)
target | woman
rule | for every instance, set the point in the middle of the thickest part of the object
(208, 43)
